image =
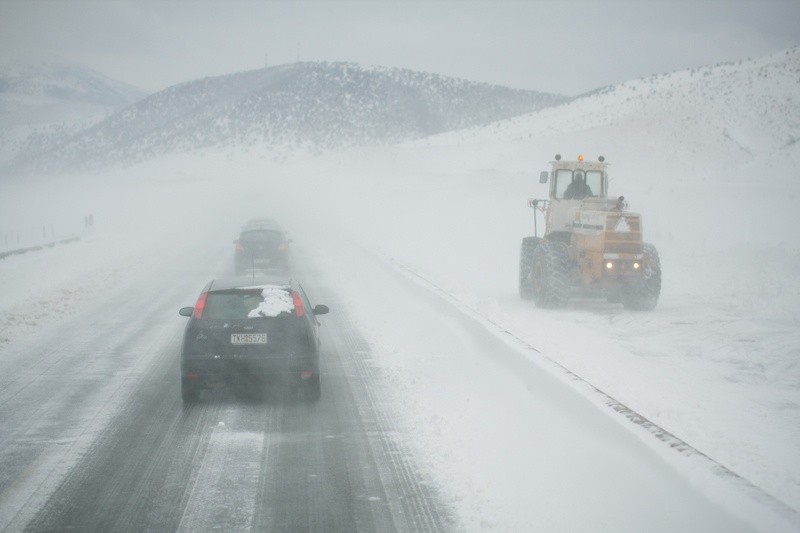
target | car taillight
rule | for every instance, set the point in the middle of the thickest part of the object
(283, 246)
(238, 247)
(200, 306)
(299, 308)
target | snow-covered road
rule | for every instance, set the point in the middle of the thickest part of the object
(431, 419)
(95, 436)
(511, 442)
(488, 405)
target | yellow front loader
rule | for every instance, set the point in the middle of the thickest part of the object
(592, 245)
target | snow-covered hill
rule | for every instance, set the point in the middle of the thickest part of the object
(728, 114)
(43, 103)
(312, 105)
(65, 81)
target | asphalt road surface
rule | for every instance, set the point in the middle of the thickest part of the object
(95, 437)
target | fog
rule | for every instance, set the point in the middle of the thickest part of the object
(566, 48)
(591, 417)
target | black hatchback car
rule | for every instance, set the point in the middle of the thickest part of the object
(252, 333)
(262, 246)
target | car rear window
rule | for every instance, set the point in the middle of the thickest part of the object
(251, 303)
(260, 236)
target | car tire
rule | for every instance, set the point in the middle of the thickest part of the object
(189, 392)
(312, 390)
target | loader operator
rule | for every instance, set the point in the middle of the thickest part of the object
(578, 189)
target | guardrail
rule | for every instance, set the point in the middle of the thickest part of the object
(17, 251)
(28, 240)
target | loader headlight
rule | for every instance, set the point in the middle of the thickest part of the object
(609, 265)
(636, 265)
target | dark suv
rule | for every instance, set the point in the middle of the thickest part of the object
(251, 333)
(262, 246)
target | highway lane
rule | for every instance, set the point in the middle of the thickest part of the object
(95, 436)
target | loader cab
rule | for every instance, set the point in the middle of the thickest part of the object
(566, 176)
(563, 179)
(567, 182)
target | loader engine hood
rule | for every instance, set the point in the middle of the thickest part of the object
(618, 232)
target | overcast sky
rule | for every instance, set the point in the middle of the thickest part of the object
(564, 46)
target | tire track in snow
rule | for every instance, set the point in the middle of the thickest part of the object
(222, 493)
(66, 398)
(412, 499)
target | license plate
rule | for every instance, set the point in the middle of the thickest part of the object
(248, 338)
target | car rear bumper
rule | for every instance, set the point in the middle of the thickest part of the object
(219, 370)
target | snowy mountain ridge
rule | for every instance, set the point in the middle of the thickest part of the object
(301, 105)
(745, 115)
(63, 80)
(43, 103)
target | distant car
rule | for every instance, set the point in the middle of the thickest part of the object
(262, 246)
(263, 222)
(253, 334)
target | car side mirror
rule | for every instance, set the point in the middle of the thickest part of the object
(186, 311)
(543, 176)
(321, 309)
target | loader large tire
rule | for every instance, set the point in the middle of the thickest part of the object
(550, 275)
(643, 294)
(529, 244)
